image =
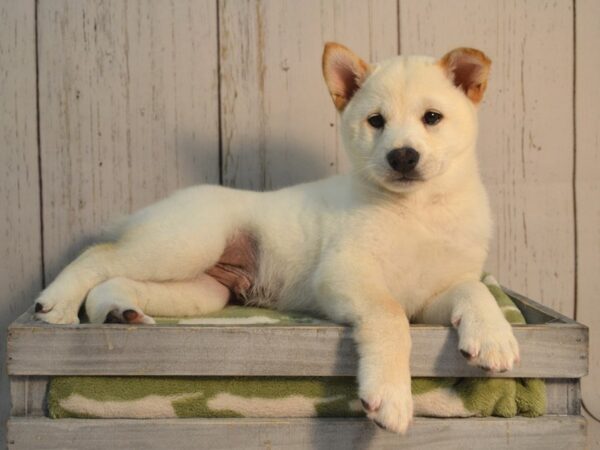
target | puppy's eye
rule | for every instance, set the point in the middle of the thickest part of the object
(376, 121)
(432, 117)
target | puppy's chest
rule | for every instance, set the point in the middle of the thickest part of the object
(419, 261)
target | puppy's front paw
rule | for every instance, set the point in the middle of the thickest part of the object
(389, 406)
(489, 345)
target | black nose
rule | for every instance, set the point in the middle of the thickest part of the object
(403, 159)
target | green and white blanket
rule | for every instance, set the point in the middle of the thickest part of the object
(185, 397)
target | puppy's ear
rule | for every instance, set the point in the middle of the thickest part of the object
(344, 73)
(468, 69)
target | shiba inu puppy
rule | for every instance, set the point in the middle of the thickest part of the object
(403, 236)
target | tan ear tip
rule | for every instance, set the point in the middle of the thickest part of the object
(471, 52)
(335, 46)
(480, 55)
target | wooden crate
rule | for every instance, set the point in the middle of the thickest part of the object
(553, 347)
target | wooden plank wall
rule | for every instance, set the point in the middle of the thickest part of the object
(20, 236)
(269, 48)
(128, 111)
(587, 189)
(138, 98)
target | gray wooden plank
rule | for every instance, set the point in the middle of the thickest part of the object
(554, 350)
(562, 396)
(548, 432)
(279, 124)
(588, 188)
(128, 111)
(28, 396)
(535, 312)
(20, 242)
(526, 129)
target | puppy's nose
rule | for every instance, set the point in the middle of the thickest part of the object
(403, 159)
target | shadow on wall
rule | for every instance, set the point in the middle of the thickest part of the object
(283, 162)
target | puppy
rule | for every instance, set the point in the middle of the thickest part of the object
(403, 236)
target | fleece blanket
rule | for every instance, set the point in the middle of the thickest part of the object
(185, 397)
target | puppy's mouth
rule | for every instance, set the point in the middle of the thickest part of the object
(406, 178)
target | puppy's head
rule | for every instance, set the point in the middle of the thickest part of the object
(407, 119)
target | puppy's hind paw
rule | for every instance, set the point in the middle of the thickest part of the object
(55, 315)
(131, 316)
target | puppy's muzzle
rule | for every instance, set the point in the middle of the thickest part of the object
(403, 160)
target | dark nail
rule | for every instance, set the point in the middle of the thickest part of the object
(380, 425)
(485, 368)
(466, 354)
(38, 307)
(130, 315)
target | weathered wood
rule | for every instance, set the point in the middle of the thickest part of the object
(554, 350)
(128, 111)
(563, 396)
(20, 241)
(587, 188)
(549, 432)
(534, 312)
(28, 396)
(526, 129)
(279, 124)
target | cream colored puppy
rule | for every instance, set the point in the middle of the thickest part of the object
(404, 235)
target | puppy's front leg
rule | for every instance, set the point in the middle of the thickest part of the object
(383, 340)
(485, 337)
(381, 331)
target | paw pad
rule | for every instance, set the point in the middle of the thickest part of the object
(368, 406)
(130, 315)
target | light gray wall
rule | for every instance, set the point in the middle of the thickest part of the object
(116, 104)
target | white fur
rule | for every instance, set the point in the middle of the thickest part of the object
(360, 248)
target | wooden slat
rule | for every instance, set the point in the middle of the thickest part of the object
(279, 124)
(554, 350)
(563, 396)
(549, 432)
(588, 188)
(128, 111)
(536, 313)
(526, 129)
(20, 234)
(28, 396)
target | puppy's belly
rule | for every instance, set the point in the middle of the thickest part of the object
(237, 268)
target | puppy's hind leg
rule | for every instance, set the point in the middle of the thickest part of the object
(176, 239)
(123, 300)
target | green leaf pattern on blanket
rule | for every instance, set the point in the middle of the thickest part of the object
(185, 397)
